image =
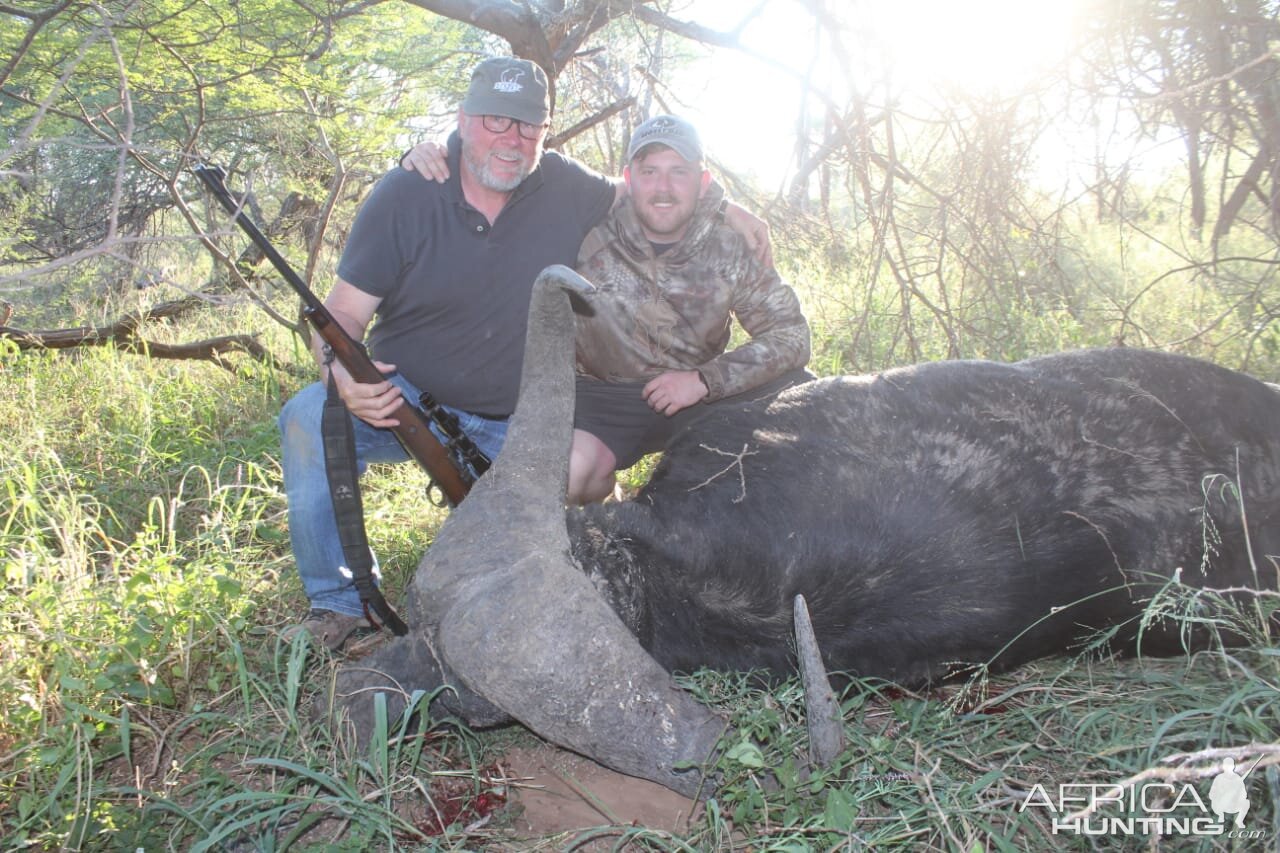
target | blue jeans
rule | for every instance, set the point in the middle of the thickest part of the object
(312, 528)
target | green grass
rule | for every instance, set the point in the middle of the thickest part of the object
(150, 704)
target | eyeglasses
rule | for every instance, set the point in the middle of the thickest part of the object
(501, 124)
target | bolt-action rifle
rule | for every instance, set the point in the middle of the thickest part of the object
(412, 431)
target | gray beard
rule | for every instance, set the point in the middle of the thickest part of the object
(486, 178)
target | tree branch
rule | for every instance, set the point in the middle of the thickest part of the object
(555, 140)
(123, 335)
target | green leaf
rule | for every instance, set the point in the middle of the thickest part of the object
(747, 754)
(840, 811)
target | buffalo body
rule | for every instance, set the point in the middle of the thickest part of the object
(946, 515)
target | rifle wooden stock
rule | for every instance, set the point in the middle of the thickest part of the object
(412, 432)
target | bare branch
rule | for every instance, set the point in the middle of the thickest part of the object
(556, 140)
(123, 335)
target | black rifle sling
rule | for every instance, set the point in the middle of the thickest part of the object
(348, 509)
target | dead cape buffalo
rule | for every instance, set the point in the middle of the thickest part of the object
(940, 516)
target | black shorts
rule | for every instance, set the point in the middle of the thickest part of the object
(617, 414)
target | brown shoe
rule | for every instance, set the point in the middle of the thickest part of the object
(329, 629)
(363, 643)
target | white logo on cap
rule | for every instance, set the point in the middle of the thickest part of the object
(510, 81)
(660, 125)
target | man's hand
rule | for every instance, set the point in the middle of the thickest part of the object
(670, 392)
(370, 403)
(753, 229)
(429, 160)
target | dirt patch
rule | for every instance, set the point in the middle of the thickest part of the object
(558, 793)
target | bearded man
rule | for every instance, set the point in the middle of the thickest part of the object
(447, 268)
(670, 277)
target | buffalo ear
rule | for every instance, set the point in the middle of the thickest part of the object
(581, 305)
(822, 712)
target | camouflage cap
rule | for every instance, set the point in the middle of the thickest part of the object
(507, 86)
(671, 131)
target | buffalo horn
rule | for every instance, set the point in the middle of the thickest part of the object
(822, 711)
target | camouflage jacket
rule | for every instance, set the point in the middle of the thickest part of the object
(656, 313)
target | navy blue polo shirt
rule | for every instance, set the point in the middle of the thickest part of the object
(455, 291)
